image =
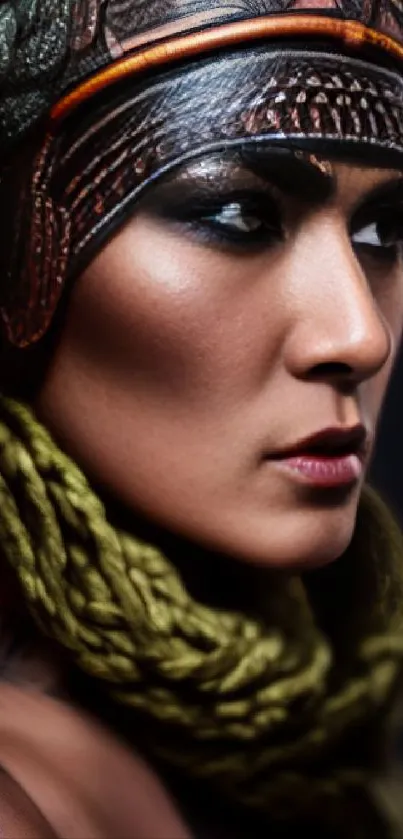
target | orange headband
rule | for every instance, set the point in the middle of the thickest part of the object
(349, 32)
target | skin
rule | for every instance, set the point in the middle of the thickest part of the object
(183, 362)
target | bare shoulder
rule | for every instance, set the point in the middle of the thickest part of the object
(75, 775)
(19, 817)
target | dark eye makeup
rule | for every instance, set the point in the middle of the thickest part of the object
(246, 219)
(219, 202)
(377, 225)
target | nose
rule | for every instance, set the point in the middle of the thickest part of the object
(338, 332)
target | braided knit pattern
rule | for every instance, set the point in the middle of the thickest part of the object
(226, 692)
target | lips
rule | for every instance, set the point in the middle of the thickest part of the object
(329, 442)
(332, 457)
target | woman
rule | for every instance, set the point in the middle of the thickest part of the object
(202, 299)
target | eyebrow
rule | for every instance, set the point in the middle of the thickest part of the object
(298, 177)
(292, 173)
(387, 191)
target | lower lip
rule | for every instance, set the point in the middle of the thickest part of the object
(325, 471)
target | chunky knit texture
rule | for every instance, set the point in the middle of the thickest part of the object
(260, 704)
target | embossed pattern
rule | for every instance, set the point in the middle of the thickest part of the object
(48, 45)
(80, 183)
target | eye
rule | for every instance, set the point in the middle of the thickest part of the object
(249, 221)
(383, 236)
(208, 213)
(236, 217)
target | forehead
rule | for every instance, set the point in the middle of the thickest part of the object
(137, 20)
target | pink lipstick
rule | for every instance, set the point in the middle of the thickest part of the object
(333, 457)
(329, 471)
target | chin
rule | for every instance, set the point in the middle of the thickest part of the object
(294, 540)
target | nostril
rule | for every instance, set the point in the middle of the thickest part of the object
(331, 369)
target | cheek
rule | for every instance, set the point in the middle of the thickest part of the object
(389, 299)
(173, 321)
(388, 294)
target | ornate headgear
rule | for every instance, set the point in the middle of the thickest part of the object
(99, 97)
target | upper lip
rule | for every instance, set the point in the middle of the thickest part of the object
(335, 441)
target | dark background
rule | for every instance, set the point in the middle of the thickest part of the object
(387, 470)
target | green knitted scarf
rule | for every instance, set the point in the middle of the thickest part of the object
(260, 705)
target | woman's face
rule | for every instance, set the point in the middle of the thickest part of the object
(247, 305)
